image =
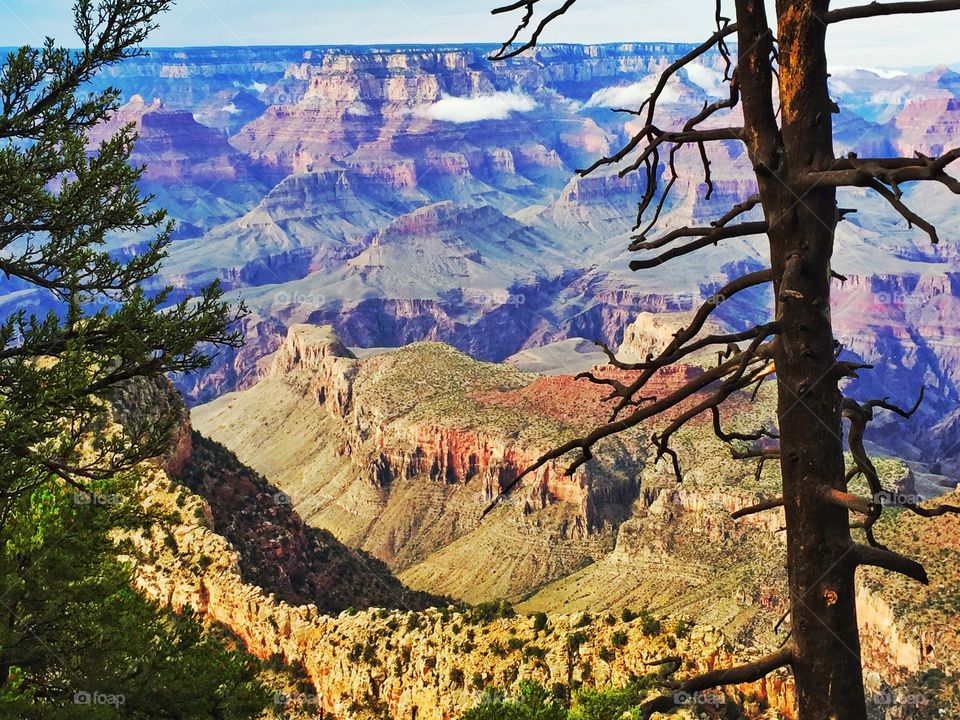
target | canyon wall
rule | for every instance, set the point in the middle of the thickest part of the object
(428, 665)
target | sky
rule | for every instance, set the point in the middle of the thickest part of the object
(884, 42)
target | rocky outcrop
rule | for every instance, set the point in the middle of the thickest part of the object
(385, 451)
(428, 665)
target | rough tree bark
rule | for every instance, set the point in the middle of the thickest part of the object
(789, 138)
(826, 644)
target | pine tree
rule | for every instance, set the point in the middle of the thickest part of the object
(71, 627)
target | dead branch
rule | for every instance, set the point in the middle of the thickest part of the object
(731, 371)
(504, 52)
(737, 210)
(750, 672)
(711, 236)
(889, 560)
(885, 404)
(727, 340)
(676, 350)
(859, 172)
(714, 233)
(849, 501)
(744, 437)
(911, 217)
(758, 508)
(877, 9)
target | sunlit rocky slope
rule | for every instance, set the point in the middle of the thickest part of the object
(399, 453)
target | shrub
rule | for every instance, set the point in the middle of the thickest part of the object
(533, 702)
(584, 620)
(515, 643)
(540, 621)
(606, 704)
(575, 640)
(619, 638)
(606, 654)
(457, 678)
(370, 655)
(534, 651)
(683, 627)
(649, 625)
(488, 611)
(628, 615)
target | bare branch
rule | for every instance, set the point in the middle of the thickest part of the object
(885, 404)
(737, 210)
(748, 673)
(889, 560)
(877, 9)
(504, 52)
(758, 508)
(710, 237)
(734, 368)
(911, 217)
(859, 172)
(849, 501)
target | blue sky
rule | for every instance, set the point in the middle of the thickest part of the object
(880, 42)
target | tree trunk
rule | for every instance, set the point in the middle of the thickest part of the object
(826, 644)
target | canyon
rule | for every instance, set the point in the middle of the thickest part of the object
(425, 273)
(425, 193)
(400, 452)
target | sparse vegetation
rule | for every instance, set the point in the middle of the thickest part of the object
(649, 624)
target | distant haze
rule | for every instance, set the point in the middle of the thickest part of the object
(884, 42)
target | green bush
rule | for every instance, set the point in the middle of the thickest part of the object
(649, 625)
(540, 621)
(619, 638)
(683, 627)
(534, 651)
(575, 640)
(515, 643)
(532, 702)
(606, 704)
(489, 611)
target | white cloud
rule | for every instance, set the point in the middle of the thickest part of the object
(879, 72)
(710, 80)
(230, 108)
(258, 86)
(631, 96)
(495, 106)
